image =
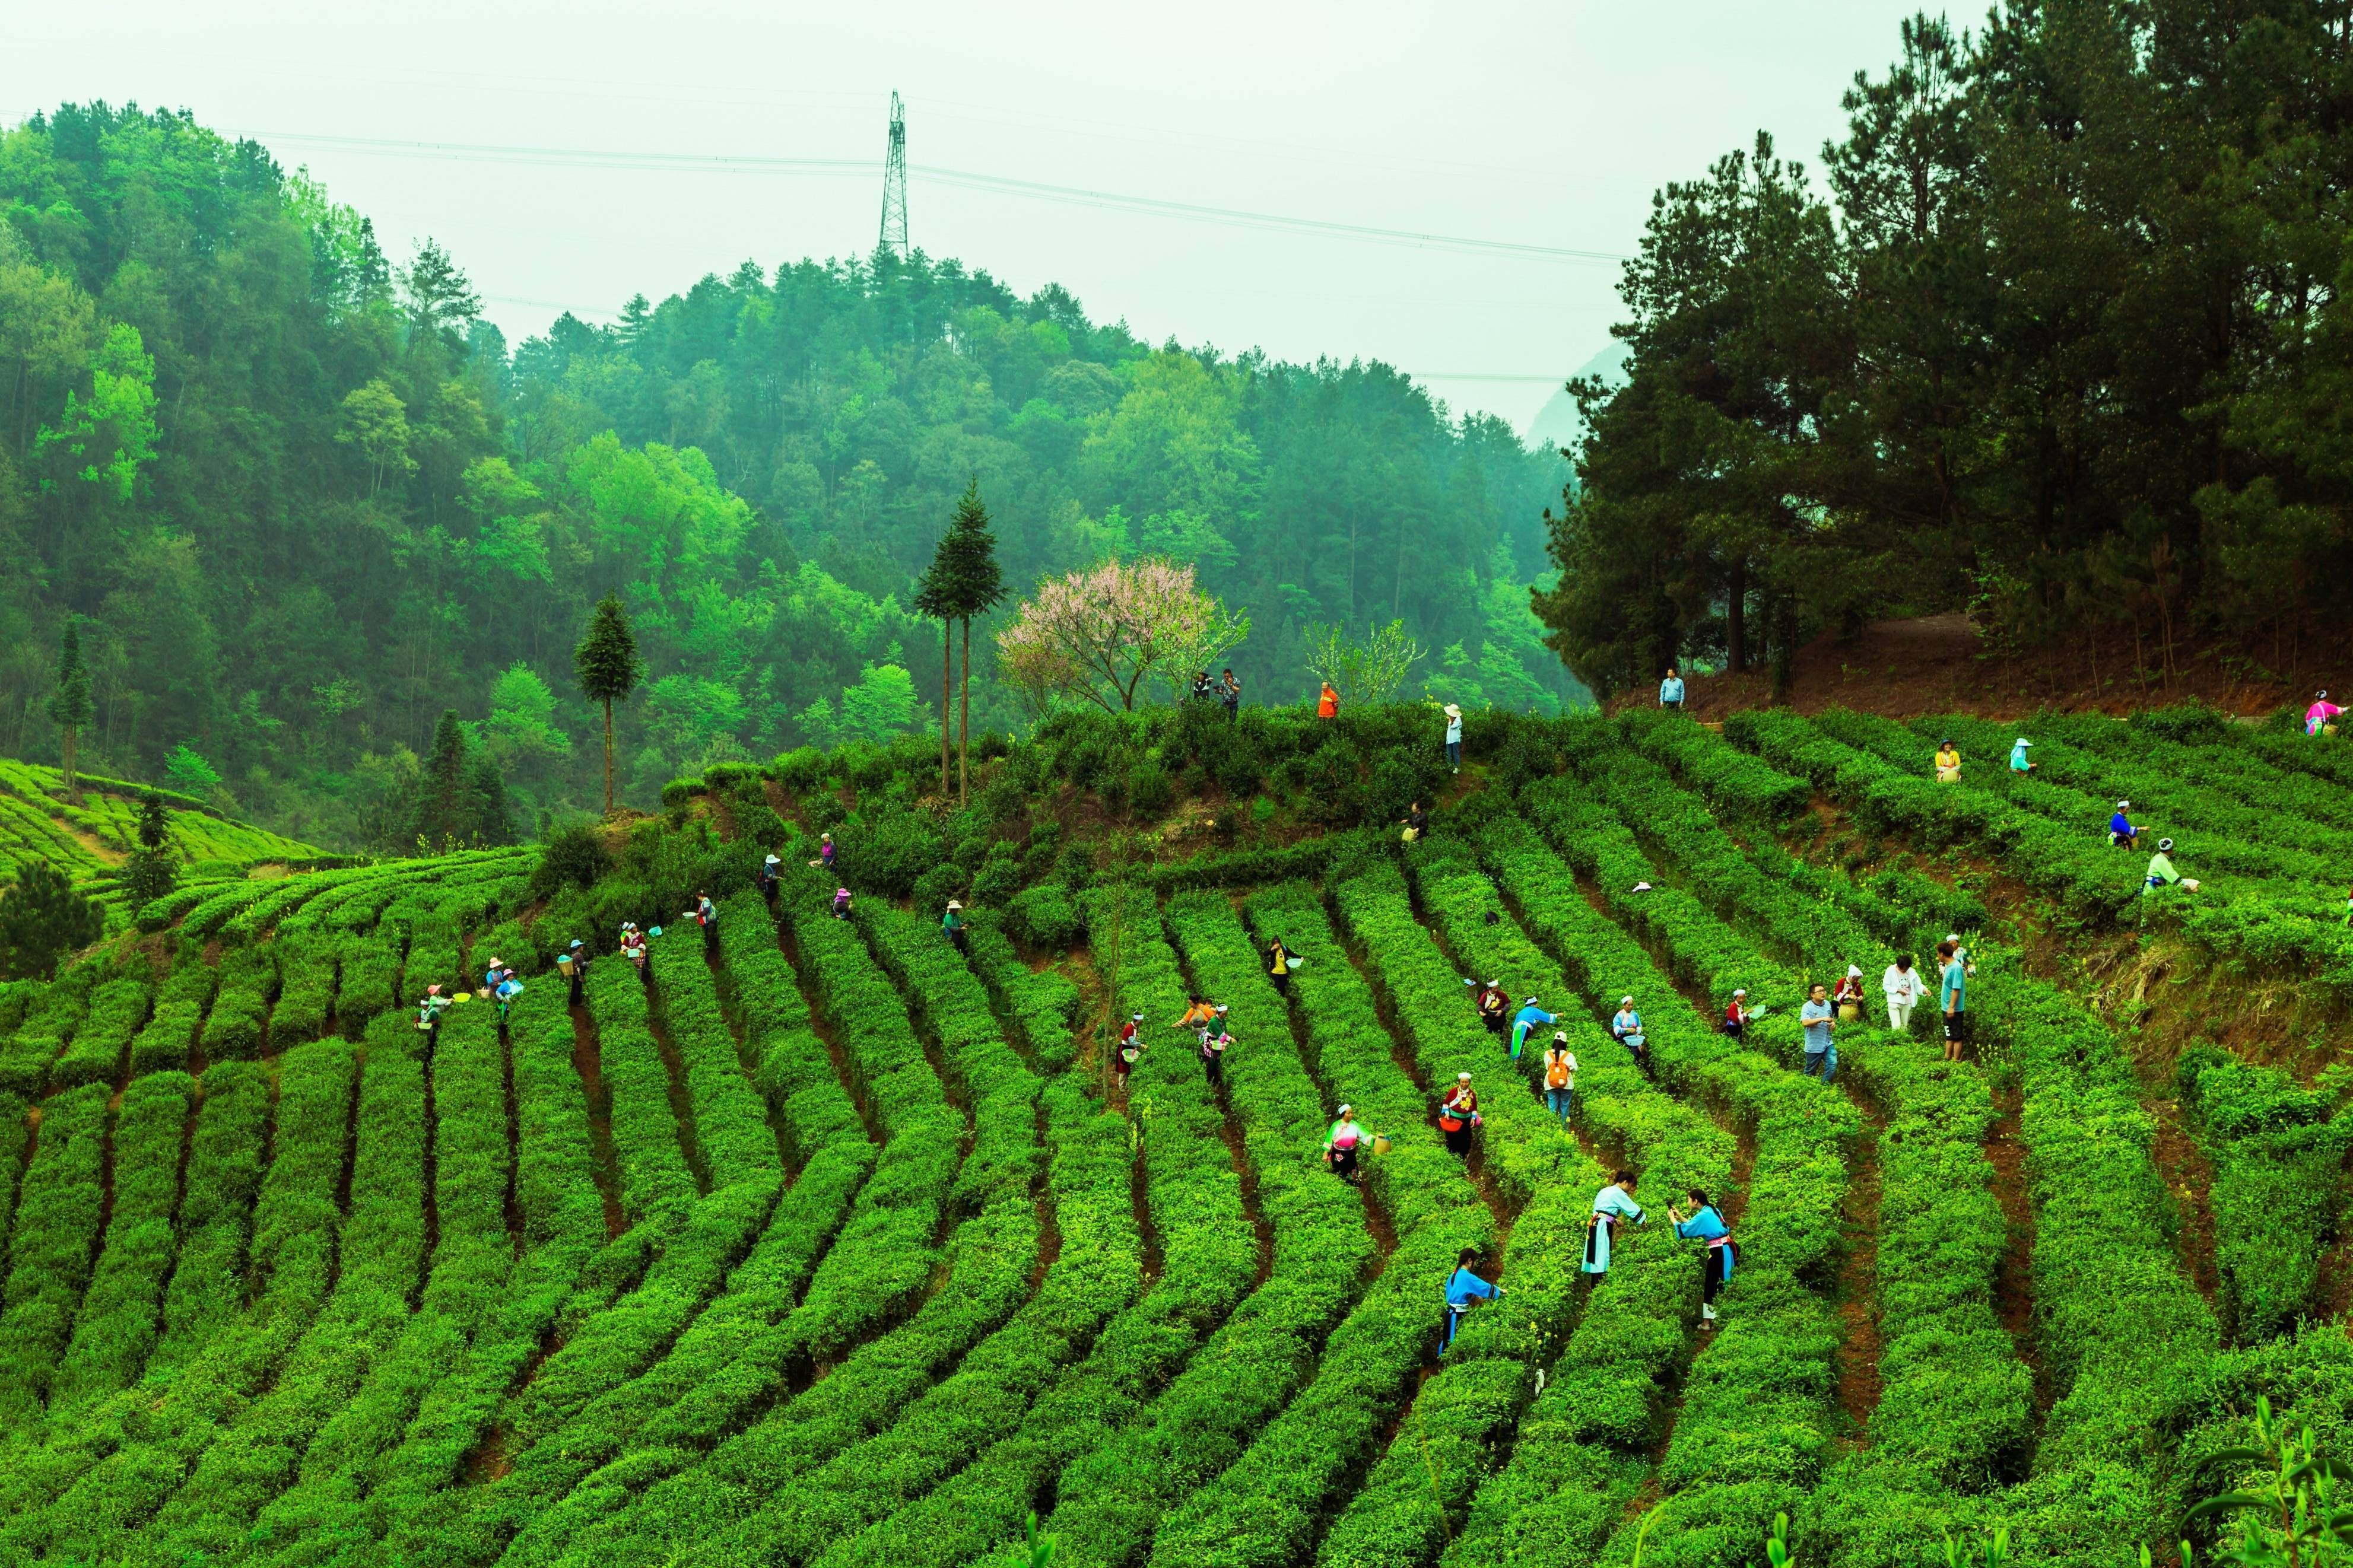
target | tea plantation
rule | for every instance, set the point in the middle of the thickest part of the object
(828, 1242)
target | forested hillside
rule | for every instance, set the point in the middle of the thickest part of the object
(308, 500)
(2056, 335)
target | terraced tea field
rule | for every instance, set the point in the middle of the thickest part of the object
(824, 1242)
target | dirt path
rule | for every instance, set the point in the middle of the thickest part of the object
(2190, 1175)
(2013, 1293)
(1858, 1383)
(682, 1101)
(605, 1164)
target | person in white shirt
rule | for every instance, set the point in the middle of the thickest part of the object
(1904, 987)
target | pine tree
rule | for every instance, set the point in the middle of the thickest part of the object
(608, 668)
(147, 875)
(973, 585)
(69, 704)
(935, 599)
(41, 919)
(444, 810)
(486, 800)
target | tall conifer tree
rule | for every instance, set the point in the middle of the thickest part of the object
(608, 668)
(973, 585)
(69, 704)
(935, 599)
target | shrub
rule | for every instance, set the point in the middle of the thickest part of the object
(935, 887)
(800, 770)
(1044, 917)
(1150, 790)
(678, 791)
(889, 854)
(574, 857)
(1000, 876)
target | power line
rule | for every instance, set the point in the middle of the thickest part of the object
(964, 179)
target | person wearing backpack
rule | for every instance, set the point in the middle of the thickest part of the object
(1560, 1077)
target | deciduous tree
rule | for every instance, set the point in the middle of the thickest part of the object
(1098, 636)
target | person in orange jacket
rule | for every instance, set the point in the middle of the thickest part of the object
(1327, 706)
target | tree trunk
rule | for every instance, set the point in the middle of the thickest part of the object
(963, 721)
(73, 785)
(947, 678)
(608, 756)
(1735, 618)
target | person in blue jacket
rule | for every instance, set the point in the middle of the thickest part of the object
(1463, 1287)
(1528, 1017)
(2122, 834)
(1707, 1225)
(1670, 690)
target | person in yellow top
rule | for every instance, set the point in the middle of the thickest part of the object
(1948, 764)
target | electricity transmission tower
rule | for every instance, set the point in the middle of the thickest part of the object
(895, 182)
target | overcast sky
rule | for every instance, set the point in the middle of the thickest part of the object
(1532, 124)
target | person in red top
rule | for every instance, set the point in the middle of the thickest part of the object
(1735, 1015)
(1458, 1113)
(1131, 1045)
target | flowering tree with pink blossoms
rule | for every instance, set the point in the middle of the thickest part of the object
(1098, 636)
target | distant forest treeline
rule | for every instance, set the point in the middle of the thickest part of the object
(2067, 342)
(306, 499)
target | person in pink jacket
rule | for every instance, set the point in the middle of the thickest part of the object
(2322, 712)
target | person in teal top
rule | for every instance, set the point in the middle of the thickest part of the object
(1715, 1265)
(1953, 997)
(1464, 1287)
(952, 924)
(1610, 1204)
(1528, 1017)
(2018, 762)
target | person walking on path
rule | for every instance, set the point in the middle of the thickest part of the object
(1417, 823)
(952, 926)
(706, 915)
(1454, 737)
(633, 946)
(1706, 1225)
(769, 880)
(429, 1008)
(1230, 694)
(572, 964)
(1948, 761)
(1670, 690)
(1327, 702)
(1277, 965)
(1340, 1144)
(2122, 834)
(1626, 1027)
(2018, 762)
(1821, 1020)
(1464, 1287)
(1458, 1115)
(2320, 715)
(1560, 1077)
(1737, 1015)
(1848, 997)
(1528, 1017)
(1494, 1007)
(2161, 873)
(1612, 1204)
(1953, 998)
(1903, 987)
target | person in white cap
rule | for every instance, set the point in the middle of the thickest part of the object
(1560, 1077)
(952, 925)
(1458, 1113)
(2161, 873)
(1848, 996)
(1340, 1144)
(1737, 1015)
(1454, 737)
(1494, 1007)
(1626, 1026)
(768, 874)
(1130, 1046)
(2122, 834)
(2018, 762)
(1903, 986)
